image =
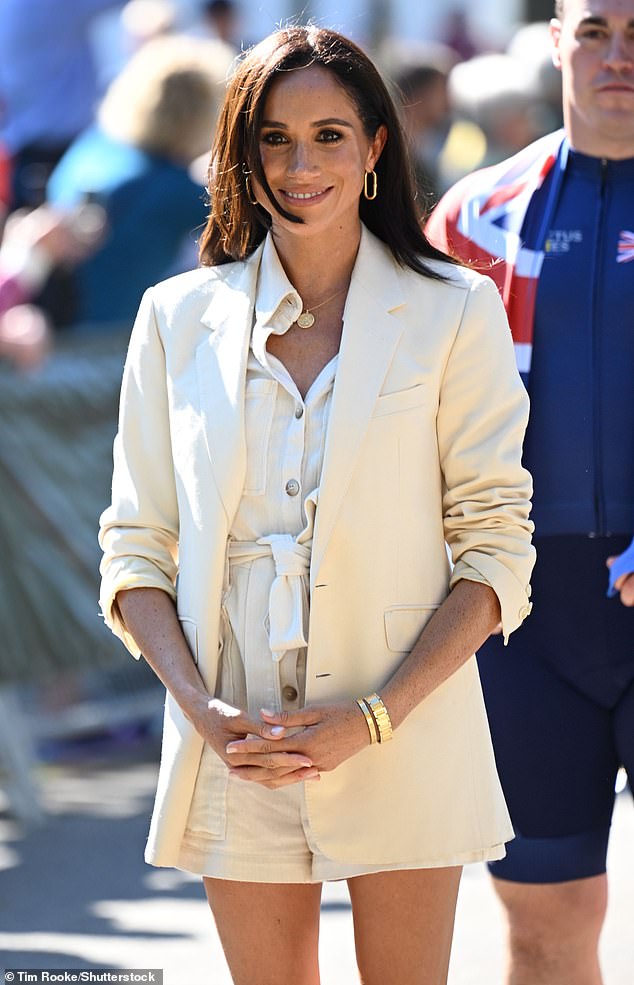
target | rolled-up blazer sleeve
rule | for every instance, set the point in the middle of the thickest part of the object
(482, 417)
(139, 530)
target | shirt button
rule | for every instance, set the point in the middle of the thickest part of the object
(299, 411)
(289, 693)
(292, 487)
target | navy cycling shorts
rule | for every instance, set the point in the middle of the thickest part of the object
(560, 701)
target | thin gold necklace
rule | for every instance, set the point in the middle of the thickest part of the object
(307, 318)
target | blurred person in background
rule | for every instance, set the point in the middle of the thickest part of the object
(222, 19)
(145, 20)
(557, 222)
(422, 90)
(33, 243)
(48, 85)
(157, 117)
(531, 45)
(494, 101)
(456, 33)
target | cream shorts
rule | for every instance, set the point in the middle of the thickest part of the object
(267, 839)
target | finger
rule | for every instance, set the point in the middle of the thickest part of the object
(253, 745)
(243, 724)
(609, 561)
(256, 775)
(291, 719)
(271, 761)
(259, 774)
(286, 781)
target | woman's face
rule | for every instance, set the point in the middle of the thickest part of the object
(314, 153)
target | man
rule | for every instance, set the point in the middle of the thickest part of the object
(557, 221)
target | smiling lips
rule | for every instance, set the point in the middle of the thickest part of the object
(305, 197)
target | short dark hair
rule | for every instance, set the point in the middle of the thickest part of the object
(213, 7)
(235, 226)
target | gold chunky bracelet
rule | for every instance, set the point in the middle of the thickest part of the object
(381, 717)
(370, 720)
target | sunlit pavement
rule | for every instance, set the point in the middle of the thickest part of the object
(76, 893)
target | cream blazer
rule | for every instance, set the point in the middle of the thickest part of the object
(423, 451)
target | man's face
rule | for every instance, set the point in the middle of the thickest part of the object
(594, 49)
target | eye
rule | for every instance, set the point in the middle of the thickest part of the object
(329, 136)
(593, 34)
(273, 138)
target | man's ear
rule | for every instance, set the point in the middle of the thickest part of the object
(555, 34)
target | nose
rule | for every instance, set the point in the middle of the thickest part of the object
(620, 53)
(301, 161)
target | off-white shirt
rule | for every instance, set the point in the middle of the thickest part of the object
(285, 434)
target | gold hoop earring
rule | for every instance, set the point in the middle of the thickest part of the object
(250, 198)
(370, 195)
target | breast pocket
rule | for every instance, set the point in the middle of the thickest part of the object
(400, 400)
(259, 410)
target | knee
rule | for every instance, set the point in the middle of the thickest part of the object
(554, 917)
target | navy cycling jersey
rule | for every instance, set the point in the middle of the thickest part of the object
(580, 440)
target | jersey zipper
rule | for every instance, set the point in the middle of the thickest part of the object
(597, 403)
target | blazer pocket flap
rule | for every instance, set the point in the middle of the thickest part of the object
(405, 623)
(393, 403)
(190, 632)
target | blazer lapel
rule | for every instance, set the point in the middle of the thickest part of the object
(370, 336)
(221, 361)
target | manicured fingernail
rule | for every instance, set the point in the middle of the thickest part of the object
(277, 730)
(267, 712)
(313, 775)
(305, 762)
(231, 749)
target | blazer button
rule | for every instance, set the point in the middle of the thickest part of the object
(289, 693)
(292, 487)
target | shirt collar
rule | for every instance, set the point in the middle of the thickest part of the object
(274, 292)
(277, 303)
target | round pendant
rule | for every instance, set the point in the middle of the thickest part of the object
(306, 320)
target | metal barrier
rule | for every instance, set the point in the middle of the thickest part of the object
(56, 431)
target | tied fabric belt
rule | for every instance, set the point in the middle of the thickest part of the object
(288, 602)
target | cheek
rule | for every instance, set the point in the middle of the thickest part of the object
(270, 162)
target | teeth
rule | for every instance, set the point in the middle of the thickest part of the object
(303, 194)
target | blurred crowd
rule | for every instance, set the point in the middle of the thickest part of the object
(103, 159)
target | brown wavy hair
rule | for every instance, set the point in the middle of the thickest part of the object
(235, 226)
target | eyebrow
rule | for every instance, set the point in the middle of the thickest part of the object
(318, 123)
(600, 21)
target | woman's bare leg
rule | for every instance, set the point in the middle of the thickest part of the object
(269, 931)
(403, 925)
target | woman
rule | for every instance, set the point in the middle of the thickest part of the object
(135, 162)
(305, 421)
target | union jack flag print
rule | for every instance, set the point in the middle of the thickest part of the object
(625, 249)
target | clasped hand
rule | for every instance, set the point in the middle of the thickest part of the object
(285, 747)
